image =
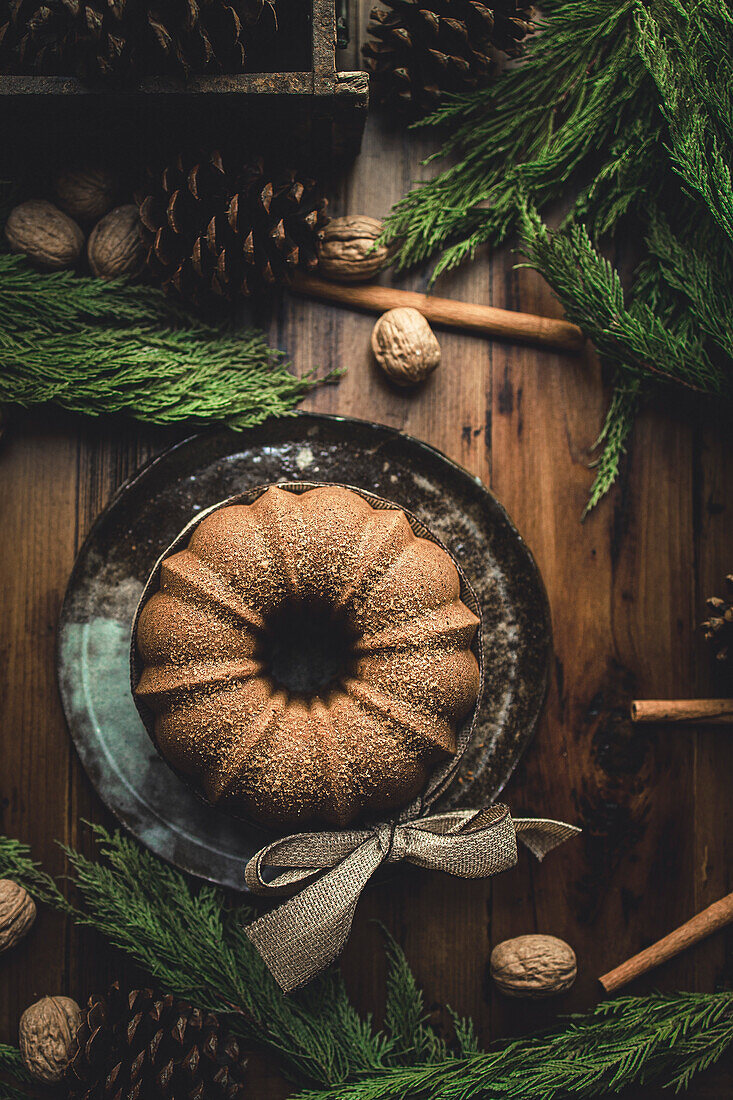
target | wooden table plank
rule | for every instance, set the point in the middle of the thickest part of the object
(37, 538)
(713, 760)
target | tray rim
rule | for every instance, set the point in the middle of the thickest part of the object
(316, 419)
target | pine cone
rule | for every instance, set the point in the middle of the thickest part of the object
(78, 39)
(425, 48)
(718, 629)
(229, 232)
(138, 1047)
(198, 36)
(118, 38)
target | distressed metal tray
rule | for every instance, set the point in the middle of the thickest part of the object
(146, 515)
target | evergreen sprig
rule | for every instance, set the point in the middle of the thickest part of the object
(61, 301)
(13, 1070)
(405, 1018)
(627, 109)
(540, 125)
(661, 1040)
(95, 346)
(158, 376)
(191, 940)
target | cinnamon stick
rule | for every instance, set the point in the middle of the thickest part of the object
(717, 711)
(446, 312)
(692, 931)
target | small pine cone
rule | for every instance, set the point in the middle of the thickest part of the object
(94, 39)
(83, 38)
(421, 49)
(718, 627)
(138, 1046)
(207, 36)
(218, 230)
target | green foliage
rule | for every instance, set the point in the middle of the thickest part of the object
(466, 1038)
(692, 71)
(16, 862)
(660, 1040)
(613, 439)
(627, 109)
(95, 346)
(192, 942)
(634, 338)
(159, 377)
(405, 1019)
(11, 1066)
(543, 123)
(61, 301)
(9, 1091)
(11, 1062)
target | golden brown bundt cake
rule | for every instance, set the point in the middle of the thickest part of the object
(307, 657)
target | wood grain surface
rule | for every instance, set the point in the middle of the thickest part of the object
(626, 590)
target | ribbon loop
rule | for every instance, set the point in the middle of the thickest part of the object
(308, 932)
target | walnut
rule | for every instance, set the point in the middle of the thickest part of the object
(346, 250)
(47, 1031)
(86, 194)
(17, 907)
(116, 246)
(44, 234)
(405, 346)
(533, 966)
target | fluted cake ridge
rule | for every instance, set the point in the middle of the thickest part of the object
(307, 657)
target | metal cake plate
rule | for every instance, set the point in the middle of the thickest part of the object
(145, 516)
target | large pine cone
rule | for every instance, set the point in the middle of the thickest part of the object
(55, 38)
(718, 627)
(422, 49)
(230, 232)
(118, 38)
(140, 1047)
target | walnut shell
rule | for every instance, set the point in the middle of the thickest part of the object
(116, 247)
(346, 250)
(17, 907)
(533, 966)
(86, 194)
(44, 234)
(405, 346)
(47, 1031)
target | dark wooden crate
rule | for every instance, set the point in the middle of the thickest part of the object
(314, 113)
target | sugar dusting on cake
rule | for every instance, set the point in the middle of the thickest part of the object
(364, 744)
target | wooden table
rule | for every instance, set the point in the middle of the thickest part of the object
(626, 590)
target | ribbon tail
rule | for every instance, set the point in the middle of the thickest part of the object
(541, 835)
(307, 933)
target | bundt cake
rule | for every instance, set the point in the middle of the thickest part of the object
(307, 657)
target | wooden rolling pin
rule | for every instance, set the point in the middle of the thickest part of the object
(717, 711)
(710, 920)
(447, 312)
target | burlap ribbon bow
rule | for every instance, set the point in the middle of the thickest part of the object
(308, 932)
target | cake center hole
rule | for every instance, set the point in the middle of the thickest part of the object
(307, 647)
